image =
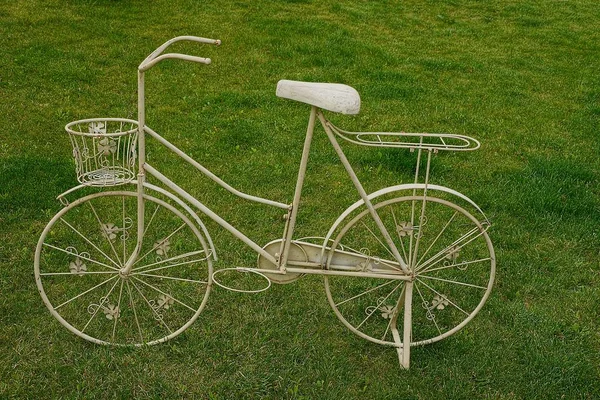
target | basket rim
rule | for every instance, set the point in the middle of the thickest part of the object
(88, 120)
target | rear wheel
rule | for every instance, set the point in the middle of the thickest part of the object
(446, 249)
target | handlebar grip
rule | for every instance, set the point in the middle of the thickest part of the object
(156, 56)
(186, 57)
(200, 40)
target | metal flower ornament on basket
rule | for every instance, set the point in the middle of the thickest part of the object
(104, 150)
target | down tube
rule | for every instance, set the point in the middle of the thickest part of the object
(192, 200)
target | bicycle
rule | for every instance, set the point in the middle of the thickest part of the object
(135, 266)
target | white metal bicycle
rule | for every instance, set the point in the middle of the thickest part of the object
(404, 266)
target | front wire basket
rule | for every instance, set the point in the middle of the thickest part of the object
(104, 150)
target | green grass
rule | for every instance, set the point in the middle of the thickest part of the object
(520, 76)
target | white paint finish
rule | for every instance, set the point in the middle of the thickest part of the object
(285, 260)
(328, 96)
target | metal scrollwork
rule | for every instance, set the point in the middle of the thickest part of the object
(111, 311)
(365, 266)
(164, 302)
(133, 154)
(451, 257)
(428, 314)
(439, 302)
(97, 127)
(128, 223)
(110, 231)
(161, 250)
(63, 201)
(107, 146)
(85, 154)
(77, 266)
(387, 311)
(404, 229)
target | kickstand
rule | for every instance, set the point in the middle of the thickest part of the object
(403, 344)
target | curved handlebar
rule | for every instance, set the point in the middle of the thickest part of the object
(155, 57)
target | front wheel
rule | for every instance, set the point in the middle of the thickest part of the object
(82, 250)
(447, 250)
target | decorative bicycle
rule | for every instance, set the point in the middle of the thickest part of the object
(404, 266)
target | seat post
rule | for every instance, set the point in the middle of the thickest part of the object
(298, 191)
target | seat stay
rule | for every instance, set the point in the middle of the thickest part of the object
(363, 195)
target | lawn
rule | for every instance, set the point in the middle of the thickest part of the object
(520, 76)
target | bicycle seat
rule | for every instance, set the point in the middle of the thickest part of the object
(328, 96)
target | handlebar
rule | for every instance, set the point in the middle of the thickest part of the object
(156, 56)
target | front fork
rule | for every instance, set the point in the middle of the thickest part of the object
(126, 270)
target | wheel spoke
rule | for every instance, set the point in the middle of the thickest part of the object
(158, 244)
(137, 322)
(445, 297)
(90, 242)
(79, 273)
(86, 292)
(456, 245)
(151, 219)
(451, 281)
(379, 303)
(80, 256)
(118, 308)
(462, 264)
(156, 314)
(386, 263)
(103, 300)
(364, 293)
(437, 237)
(169, 266)
(383, 245)
(165, 294)
(179, 257)
(429, 315)
(376, 238)
(396, 225)
(107, 238)
(171, 278)
(387, 329)
(394, 315)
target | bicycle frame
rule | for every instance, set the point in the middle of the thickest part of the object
(292, 209)
(431, 230)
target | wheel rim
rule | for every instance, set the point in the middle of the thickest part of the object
(82, 249)
(449, 252)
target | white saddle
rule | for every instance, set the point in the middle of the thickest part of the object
(328, 96)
